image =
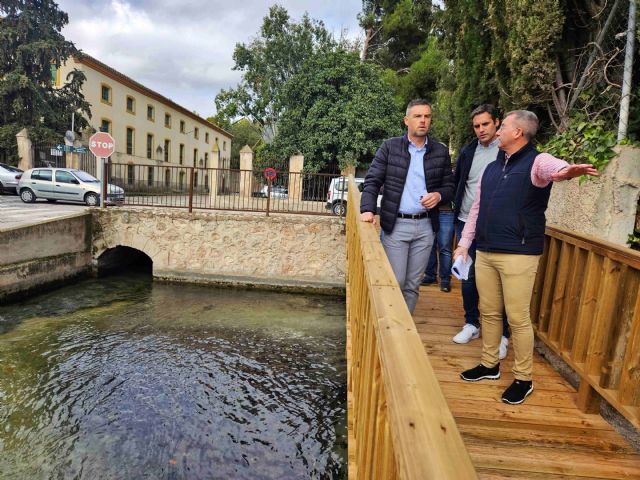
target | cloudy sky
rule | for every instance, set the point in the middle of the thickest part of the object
(183, 49)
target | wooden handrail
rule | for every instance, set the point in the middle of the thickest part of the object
(586, 308)
(399, 417)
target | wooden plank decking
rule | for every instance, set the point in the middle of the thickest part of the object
(547, 437)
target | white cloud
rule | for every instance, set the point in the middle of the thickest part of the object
(183, 50)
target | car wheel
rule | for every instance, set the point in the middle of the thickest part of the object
(1, 188)
(52, 200)
(91, 199)
(339, 208)
(27, 195)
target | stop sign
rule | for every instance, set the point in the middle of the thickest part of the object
(102, 144)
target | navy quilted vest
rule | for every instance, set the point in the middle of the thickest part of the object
(511, 217)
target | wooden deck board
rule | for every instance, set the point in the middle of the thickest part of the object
(546, 437)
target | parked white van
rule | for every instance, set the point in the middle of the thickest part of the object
(337, 195)
(67, 184)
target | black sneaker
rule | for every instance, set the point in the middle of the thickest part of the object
(478, 373)
(517, 392)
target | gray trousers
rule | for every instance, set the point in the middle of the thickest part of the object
(408, 248)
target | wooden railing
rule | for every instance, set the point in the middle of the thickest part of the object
(400, 424)
(586, 308)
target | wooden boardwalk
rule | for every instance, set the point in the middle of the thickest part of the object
(547, 437)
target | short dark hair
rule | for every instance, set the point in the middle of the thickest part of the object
(485, 108)
(416, 102)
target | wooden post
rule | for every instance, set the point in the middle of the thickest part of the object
(588, 400)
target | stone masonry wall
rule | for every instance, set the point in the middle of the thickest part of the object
(605, 207)
(44, 254)
(242, 248)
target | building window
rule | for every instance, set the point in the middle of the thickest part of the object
(150, 176)
(195, 179)
(206, 137)
(151, 113)
(196, 133)
(206, 160)
(105, 125)
(181, 153)
(131, 174)
(181, 126)
(167, 149)
(131, 104)
(105, 94)
(167, 120)
(224, 146)
(149, 145)
(131, 140)
(195, 157)
(55, 75)
(167, 178)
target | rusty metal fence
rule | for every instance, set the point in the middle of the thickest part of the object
(229, 189)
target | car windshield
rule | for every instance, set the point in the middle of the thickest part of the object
(85, 177)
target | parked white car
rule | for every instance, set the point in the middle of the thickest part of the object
(65, 184)
(9, 177)
(337, 195)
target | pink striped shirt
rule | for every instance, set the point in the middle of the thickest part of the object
(544, 166)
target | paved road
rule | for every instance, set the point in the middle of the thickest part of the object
(14, 212)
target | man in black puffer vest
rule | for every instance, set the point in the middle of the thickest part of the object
(507, 220)
(415, 171)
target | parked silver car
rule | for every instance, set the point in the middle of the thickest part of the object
(66, 184)
(9, 177)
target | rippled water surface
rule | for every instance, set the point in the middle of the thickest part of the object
(119, 378)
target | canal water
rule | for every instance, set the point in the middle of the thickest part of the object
(122, 378)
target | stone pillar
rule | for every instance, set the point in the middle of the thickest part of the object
(215, 173)
(246, 174)
(350, 170)
(296, 163)
(25, 152)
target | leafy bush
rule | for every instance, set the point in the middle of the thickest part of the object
(584, 142)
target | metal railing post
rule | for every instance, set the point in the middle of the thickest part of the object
(625, 100)
(190, 189)
(268, 194)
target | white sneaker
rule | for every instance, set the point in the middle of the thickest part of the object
(504, 345)
(468, 333)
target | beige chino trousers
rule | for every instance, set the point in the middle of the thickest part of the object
(506, 279)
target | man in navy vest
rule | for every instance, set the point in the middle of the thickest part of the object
(507, 221)
(415, 171)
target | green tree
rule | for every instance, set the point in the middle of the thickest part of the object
(394, 31)
(338, 109)
(244, 133)
(31, 48)
(267, 63)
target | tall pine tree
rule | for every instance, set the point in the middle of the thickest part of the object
(31, 48)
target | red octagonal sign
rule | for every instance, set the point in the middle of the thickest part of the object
(102, 144)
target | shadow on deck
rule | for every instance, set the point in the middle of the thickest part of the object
(545, 437)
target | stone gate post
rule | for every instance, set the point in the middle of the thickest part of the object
(215, 173)
(296, 163)
(25, 152)
(246, 175)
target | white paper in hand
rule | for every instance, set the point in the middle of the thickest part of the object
(460, 268)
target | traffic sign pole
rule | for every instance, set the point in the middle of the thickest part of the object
(102, 145)
(103, 196)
